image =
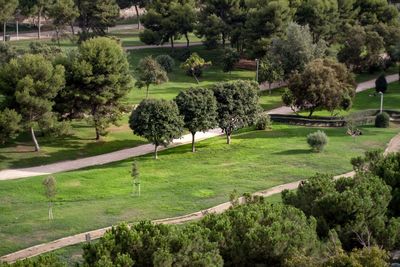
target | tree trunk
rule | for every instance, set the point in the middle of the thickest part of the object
(155, 151)
(97, 133)
(269, 85)
(137, 16)
(228, 138)
(187, 40)
(147, 91)
(39, 21)
(58, 36)
(72, 29)
(17, 23)
(193, 141)
(195, 77)
(4, 30)
(37, 148)
(51, 211)
(172, 43)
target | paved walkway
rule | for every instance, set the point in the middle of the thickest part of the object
(393, 146)
(140, 150)
(100, 159)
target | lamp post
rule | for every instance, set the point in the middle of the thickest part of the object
(258, 64)
(381, 102)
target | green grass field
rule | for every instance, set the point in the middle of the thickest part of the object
(179, 183)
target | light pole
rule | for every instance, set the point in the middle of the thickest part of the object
(258, 64)
(381, 101)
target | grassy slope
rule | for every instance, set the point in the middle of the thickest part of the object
(180, 182)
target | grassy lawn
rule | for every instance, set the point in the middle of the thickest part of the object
(179, 183)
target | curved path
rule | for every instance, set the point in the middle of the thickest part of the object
(123, 154)
(393, 146)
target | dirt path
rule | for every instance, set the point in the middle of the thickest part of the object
(393, 146)
(69, 165)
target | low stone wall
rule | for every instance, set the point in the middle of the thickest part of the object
(305, 121)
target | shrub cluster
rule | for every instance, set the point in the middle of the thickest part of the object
(166, 62)
(263, 121)
(382, 120)
(317, 140)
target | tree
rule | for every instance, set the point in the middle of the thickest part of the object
(265, 20)
(362, 49)
(194, 66)
(356, 208)
(30, 84)
(9, 125)
(135, 179)
(166, 21)
(100, 79)
(37, 8)
(320, 15)
(158, 121)
(7, 52)
(231, 57)
(269, 72)
(7, 10)
(298, 49)
(372, 12)
(136, 3)
(381, 84)
(149, 72)
(324, 84)
(218, 19)
(96, 16)
(237, 105)
(199, 110)
(63, 12)
(50, 191)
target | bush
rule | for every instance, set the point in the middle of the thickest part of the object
(150, 37)
(381, 84)
(9, 125)
(263, 121)
(317, 141)
(382, 120)
(181, 54)
(166, 62)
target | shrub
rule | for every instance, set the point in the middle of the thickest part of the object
(382, 120)
(381, 84)
(181, 54)
(150, 37)
(166, 62)
(263, 121)
(317, 141)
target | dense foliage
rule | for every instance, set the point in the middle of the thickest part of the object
(382, 120)
(317, 140)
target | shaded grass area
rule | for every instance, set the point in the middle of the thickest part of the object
(180, 182)
(81, 143)
(366, 76)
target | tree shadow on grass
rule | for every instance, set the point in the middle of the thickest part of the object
(292, 152)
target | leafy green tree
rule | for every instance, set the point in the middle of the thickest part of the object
(324, 84)
(63, 12)
(50, 191)
(99, 77)
(9, 125)
(237, 105)
(371, 12)
(148, 244)
(230, 58)
(149, 72)
(356, 208)
(265, 20)
(388, 169)
(199, 110)
(167, 21)
(194, 66)
(320, 15)
(261, 234)
(7, 10)
(96, 16)
(220, 21)
(296, 50)
(362, 49)
(158, 121)
(30, 84)
(38, 8)
(270, 72)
